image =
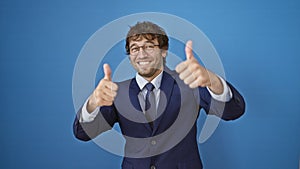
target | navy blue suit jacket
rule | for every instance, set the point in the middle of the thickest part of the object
(171, 143)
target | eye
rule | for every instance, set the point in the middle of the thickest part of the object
(134, 49)
(149, 46)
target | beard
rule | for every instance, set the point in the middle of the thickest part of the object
(148, 70)
(148, 73)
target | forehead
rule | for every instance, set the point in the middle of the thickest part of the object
(142, 40)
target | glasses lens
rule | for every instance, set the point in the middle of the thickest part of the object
(134, 50)
(148, 48)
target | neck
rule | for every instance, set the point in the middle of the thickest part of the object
(149, 79)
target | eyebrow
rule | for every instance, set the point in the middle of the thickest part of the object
(134, 44)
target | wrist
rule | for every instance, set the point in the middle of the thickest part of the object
(91, 106)
(215, 85)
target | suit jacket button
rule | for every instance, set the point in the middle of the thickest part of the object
(152, 167)
(153, 142)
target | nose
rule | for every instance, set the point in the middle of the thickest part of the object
(141, 52)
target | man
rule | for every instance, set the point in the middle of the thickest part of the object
(157, 109)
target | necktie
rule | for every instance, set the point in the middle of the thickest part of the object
(150, 106)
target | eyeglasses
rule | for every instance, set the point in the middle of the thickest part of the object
(148, 48)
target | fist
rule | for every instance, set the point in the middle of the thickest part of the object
(191, 72)
(105, 92)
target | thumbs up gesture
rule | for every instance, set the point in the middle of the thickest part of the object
(195, 75)
(105, 92)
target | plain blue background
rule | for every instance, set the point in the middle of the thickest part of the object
(258, 42)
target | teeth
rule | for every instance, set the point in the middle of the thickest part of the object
(144, 63)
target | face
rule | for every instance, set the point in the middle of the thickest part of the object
(148, 61)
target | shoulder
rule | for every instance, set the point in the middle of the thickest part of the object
(124, 82)
(129, 83)
(170, 72)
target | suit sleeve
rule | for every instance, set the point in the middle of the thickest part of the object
(104, 121)
(230, 110)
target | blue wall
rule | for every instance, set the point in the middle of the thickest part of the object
(258, 42)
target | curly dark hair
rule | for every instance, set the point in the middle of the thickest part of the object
(149, 31)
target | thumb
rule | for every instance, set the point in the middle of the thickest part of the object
(189, 50)
(107, 72)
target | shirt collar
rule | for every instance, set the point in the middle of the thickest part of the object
(142, 82)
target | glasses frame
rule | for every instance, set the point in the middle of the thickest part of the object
(147, 48)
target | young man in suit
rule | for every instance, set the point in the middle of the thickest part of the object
(158, 108)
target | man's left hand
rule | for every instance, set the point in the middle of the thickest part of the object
(195, 75)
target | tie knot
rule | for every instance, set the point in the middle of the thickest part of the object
(149, 86)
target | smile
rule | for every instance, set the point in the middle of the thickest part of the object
(144, 63)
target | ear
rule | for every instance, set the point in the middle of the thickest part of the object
(164, 53)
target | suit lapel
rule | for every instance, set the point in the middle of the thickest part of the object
(134, 90)
(133, 94)
(166, 88)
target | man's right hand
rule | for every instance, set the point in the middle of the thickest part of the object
(105, 92)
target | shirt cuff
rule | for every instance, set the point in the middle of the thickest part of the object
(225, 96)
(85, 115)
